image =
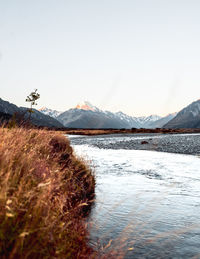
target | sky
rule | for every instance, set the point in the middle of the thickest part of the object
(141, 57)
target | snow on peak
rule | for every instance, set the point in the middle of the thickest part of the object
(147, 119)
(86, 106)
(50, 112)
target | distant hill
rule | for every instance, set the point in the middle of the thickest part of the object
(7, 107)
(189, 117)
(37, 118)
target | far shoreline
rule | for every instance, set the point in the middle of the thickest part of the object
(94, 132)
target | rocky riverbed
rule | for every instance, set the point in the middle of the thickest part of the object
(172, 143)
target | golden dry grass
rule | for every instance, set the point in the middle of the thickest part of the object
(44, 195)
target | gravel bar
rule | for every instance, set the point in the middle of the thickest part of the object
(172, 143)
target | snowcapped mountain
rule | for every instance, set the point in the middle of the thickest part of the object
(189, 117)
(86, 115)
(49, 112)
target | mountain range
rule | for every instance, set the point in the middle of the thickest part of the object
(86, 115)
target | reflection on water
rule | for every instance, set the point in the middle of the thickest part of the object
(147, 202)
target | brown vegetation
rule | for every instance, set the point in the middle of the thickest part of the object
(127, 131)
(45, 192)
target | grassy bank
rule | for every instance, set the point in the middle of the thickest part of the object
(44, 195)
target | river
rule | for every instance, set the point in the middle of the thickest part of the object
(147, 202)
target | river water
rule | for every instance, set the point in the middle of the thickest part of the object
(147, 202)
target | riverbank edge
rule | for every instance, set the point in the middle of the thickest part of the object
(45, 194)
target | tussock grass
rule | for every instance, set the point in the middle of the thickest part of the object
(44, 195)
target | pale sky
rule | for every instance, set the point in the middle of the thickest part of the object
(138, 56)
